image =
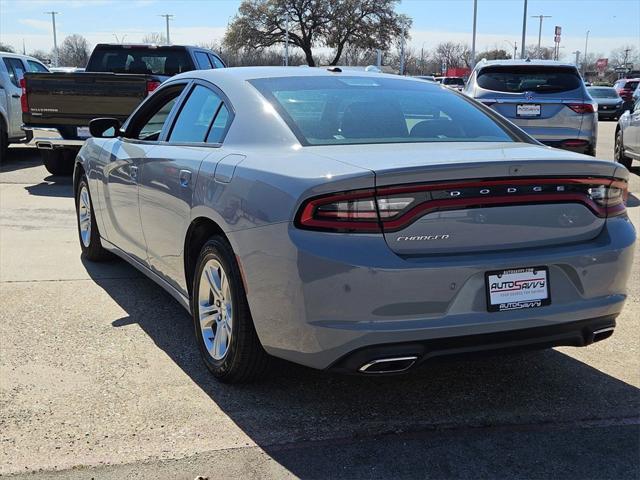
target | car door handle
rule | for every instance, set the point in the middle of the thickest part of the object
(185, 178)
(133, 172)
(15, 95)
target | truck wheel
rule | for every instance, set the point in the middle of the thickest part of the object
(224, 329)
(4, 141)
(619, 155)
(87, 227)
(57, 162)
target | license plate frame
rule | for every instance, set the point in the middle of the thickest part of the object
(528, 110)
(506, 290)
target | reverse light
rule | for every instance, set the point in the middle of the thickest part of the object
(24, 103)
(581, 108)
(393, 208)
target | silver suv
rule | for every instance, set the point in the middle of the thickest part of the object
(547, 99)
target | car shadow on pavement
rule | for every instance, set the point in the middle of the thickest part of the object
(322, 425)
(60, 187)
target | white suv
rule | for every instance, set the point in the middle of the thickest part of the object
(12, 69)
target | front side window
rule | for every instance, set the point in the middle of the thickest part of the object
(36, 66)
(216, 61)
(533, 78)
(202, 59)
(150, 120)
(196, 116)
(352, 110)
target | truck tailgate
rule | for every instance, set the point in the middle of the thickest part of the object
(77, 98)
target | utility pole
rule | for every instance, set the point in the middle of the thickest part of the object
(524, 29)
(286, 41)
(55, 37)
(577, 53)
(515, 47)
(473, 41)
(584, 58)
(24, 48)
(422, 59)
(167, 17)
(402, 51)
(541, 17)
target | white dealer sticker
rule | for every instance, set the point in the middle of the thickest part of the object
(528, 110)
(517, 289)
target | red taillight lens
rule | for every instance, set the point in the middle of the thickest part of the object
(394, 208)
(24, 103)
(581, 108)
(152, 85)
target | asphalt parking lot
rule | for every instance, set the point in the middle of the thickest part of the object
(100, 378)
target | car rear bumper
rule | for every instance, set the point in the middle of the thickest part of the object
(317, 297)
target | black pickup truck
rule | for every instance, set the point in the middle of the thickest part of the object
(116, 79)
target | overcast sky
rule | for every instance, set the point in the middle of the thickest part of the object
(612, 23)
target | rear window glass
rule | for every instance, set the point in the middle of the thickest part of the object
(529, 79)
(161, 61)
(351, 110)
(603, 92)
(453, 81)
(630, 85)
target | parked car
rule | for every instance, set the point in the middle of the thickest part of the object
(457, 83)
(625, 88)
(546, 98)
(610, 105)
(117, 78)
(12, 70)
(359, 223)
(627, 143)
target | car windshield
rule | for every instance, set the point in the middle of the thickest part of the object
(534, 78)
(603, 92)
(141, 60)
(351, 110)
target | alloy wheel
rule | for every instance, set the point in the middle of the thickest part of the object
(84, 216)
(215, 309)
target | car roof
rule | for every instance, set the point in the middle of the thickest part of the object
(524, 63)
(254, 73)
(19, 55)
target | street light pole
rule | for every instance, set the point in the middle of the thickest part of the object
(167, 17)
(55, 37)
(584, 58)
(286, 42)
(577, 53)
(541, 17)
(515, 47)
(473, 41)
(524, 29)
(402, 51)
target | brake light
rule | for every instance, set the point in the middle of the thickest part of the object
(581, 108)
(152, 85)
(391, 209)
(24, 102)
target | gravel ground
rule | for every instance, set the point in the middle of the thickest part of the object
(99, 378)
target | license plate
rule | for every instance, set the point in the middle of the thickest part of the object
(517, 289)
(528, 110)
(83, 132)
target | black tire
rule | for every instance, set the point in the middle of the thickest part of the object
(245, 360)
(58, 161)
(4, 141)
(93, 250)
(618, 151)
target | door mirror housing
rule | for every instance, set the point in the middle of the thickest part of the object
(104, 127)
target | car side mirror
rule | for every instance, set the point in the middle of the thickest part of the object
(104, 127)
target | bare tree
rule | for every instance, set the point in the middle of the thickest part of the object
(154, 38)
(452, 55)
(334, 23)
(625, 54)
(493, 54)
(74, 51)
(41, 55)
(5, 47)
(544, 53)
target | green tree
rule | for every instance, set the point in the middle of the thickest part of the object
(332, 23)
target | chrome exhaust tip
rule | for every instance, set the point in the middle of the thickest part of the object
(389, 365)
(602, 333)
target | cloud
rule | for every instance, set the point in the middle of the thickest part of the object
(36, 24)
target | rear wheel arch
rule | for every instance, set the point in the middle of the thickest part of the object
(199, 232)
(78, 172)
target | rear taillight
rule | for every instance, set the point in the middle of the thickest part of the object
(24, 103)
(581, 108)
(394, 208)
(152, 85)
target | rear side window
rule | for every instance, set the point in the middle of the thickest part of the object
(196, 116)
(156, 61)
(630, 85)
(36, 67)
(16, 70)
(202, 59)
(367, 110)
(219, 125)
(529, 79)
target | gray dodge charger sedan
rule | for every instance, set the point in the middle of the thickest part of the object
(354, 221)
